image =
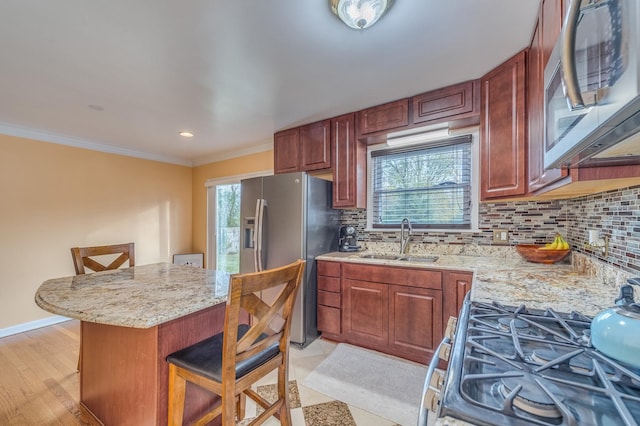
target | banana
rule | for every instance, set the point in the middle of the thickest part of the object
(558, 243)
(553, 245)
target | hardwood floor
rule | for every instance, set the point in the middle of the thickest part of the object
(39, 384)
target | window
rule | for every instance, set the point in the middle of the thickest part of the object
(431, 184)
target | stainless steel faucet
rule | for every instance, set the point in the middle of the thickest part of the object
(404, 239)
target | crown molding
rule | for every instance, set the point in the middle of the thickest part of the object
(43, 136)
(214, 158)
(39, 135)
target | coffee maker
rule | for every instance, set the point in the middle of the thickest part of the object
(348, 240)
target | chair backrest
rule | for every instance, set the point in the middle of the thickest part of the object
(273, 320)
(83, 257)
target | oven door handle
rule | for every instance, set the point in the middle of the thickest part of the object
(568, 60)
(433, 364)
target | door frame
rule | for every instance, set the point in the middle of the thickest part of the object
(210, 186)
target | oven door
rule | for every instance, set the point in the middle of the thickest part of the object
(591, 76)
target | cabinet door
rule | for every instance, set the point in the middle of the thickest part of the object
(449, 103)
(286, 151)
(389, 116)
(415, 321)
(456, 286)
(503, 130)
(349, 164)
(329, 320)
(365, 308)
(550, 23)
(538, 176)
(315, 143)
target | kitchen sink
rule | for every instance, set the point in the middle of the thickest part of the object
(418, 258)
(380, 256)
(403, 258)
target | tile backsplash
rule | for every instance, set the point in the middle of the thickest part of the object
(615, 213)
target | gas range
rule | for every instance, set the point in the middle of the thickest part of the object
(518, 366)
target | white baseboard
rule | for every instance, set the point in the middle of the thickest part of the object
(32, 325)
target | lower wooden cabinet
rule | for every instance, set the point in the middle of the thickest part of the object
(366, 313)
(415, 321)
(397, 310)
(455, 287)
(329, 315)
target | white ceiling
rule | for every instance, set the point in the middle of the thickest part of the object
(231, 71)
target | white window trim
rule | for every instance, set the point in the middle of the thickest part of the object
(211, 184)
(475, 190)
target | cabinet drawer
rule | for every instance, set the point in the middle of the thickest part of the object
(330, 269)
(384, 117)
(328, 299)
(329, 284)
(329, 320)
(390, 275)
(453, 102)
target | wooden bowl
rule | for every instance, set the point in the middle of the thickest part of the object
(532, 253)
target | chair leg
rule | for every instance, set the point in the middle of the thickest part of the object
(228, 406)
(241, 405)
(177, 387)
(283, 393)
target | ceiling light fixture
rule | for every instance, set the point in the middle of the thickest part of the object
(360, 14)
(186, 134)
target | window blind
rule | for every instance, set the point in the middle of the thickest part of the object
(430, 184)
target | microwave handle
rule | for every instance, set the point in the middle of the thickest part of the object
(568, 61)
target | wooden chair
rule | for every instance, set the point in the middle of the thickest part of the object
(83, 258)
(228, 363)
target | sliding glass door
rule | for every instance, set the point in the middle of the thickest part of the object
(227, 250)
(223, 222)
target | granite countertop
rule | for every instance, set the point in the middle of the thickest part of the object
(501, 275)
(139, 297)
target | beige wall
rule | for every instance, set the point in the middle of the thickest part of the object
(235, 166)
(54, 197)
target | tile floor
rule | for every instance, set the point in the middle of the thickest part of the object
(311, 408)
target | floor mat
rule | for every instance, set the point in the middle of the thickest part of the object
(384, 385)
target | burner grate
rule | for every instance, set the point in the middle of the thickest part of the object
(538, 367)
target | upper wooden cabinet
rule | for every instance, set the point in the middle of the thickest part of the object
(458, 104)
(538, 177)
(550, 24)
(315, 143)
(304, 148)
(349, 164)
(457, 101)
(503, 130)
(286, 151)
(389, 116)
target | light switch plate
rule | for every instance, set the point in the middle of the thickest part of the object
(501, 236)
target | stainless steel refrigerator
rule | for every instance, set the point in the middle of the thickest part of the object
(287, 217)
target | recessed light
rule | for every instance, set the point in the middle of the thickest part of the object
(186, 134)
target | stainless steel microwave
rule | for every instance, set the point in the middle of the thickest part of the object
(592, 86)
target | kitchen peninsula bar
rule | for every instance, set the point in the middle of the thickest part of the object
(131, 319)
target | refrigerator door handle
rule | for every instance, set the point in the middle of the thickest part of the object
(256, 235)
(260, 206)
